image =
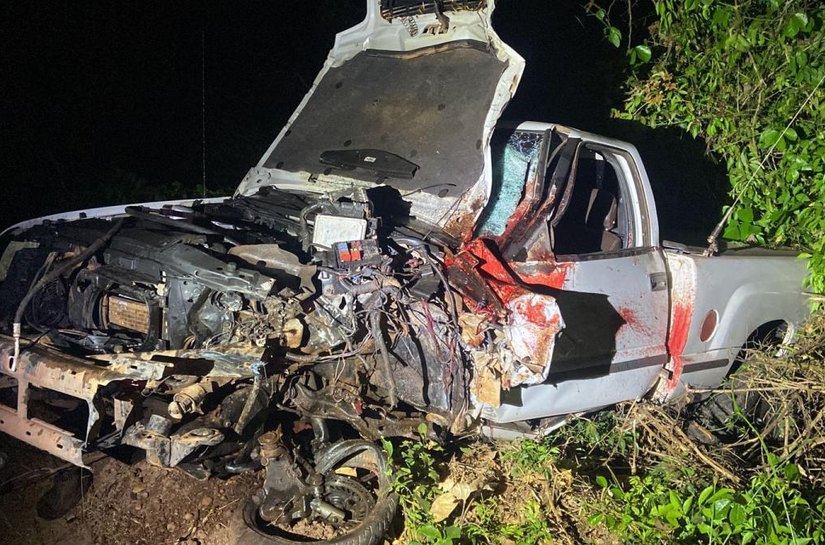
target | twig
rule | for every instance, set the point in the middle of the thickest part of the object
(804, 436)
(686, 441)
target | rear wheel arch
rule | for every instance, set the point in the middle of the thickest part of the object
(773, 333)
(715, 410)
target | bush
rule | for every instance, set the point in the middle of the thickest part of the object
(747, 77)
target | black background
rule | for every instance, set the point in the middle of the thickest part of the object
(103, 103)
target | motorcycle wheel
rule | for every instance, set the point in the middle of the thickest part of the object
(356, 482)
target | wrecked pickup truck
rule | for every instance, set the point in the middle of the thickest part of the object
(395, 259)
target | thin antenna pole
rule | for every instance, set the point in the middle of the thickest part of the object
(203, 106)
(713, 238)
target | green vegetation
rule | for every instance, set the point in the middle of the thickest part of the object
(657, 507)
(640, 473)
(748, 77)
(452, 497)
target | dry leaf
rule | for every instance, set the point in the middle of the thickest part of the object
(462, 491)
(443, 506)
(447, 484)
(347, 471)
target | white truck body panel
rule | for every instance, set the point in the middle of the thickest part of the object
(744, 291)
(414, 36)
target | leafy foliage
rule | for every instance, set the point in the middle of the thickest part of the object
(127, 187)
(530, 457)
(416, 482)
(747, 77)
(770, 510)
(422, 474)
(664, 502)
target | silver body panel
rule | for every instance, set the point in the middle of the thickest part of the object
(659, 346)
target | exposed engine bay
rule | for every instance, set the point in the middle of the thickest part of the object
(209, 336)
(328, 304)
(325, 306)
(307, 282)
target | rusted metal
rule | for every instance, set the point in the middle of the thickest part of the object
(165, 450)
(45, 368)
(189, 399)
(44, 436)
(271, 445)
(234, 360)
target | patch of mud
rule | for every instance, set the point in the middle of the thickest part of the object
(127, 505)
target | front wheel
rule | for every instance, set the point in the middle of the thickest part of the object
(354, 506)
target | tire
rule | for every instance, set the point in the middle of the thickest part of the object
(370, 532)
(245, 527)
(717, 412)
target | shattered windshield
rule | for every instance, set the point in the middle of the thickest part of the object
(515, 158)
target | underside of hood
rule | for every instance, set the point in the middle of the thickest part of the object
(407, 98)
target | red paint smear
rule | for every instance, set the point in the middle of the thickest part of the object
(629, 317)
(677, 339)
(490, 264)
(499, 278)
(505, 284)
(632, 321)
(506, 292)
(534, 312)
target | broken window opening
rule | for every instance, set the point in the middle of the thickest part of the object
(530, 238)
(583, 206)
(596, 217)
(514, 159)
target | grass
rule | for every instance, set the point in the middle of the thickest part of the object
(637, 474)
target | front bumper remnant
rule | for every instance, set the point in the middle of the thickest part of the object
(44, 368)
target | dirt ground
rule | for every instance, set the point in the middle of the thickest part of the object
(118, 509)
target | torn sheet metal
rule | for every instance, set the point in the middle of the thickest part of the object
(522, 324)
(534, 323)
(486, 384)
(682, 301)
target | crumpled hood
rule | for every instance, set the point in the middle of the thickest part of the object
(407, 98)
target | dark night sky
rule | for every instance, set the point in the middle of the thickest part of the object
(102, 102)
